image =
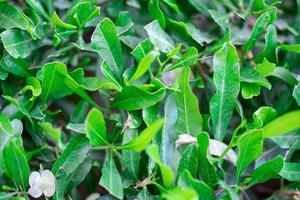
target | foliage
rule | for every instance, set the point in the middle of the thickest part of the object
(150, 99)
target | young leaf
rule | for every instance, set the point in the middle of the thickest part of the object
(144, 65)
(227, 82)
(250, 147)
(95, 128)
(204, 191)
(141, 142)
(187, 59)
(16, 165)
(206, 170)
(111, 179)
(179, 193)
(167, 174)
(188, 107)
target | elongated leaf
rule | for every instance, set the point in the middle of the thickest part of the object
(227, 82)
(16, 165)
(167, 174)
(131, 158)
(156, 12)
(187, 59)
(206, 169)
(95, 128)
(159, 38)
(188, 107)
(266, 171)
(135, 98)
(283, 124)
(140, 143)
(111, 179)
(188, 160)
(250, 147)
(107, 44)
(74, 154)
(144, 65)
(168, 131)
(203, 190)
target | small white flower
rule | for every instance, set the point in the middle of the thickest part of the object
(41, 183)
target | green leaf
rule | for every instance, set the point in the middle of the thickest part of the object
(52, 83)
(187, 59)
(289, 140)
(82, 13)
(227, 82)
(296, 93)
(167, 174)
(53, 133)
(220, 18)
(266, 171)
(285, 75)
(179, 193)
(33, 84)
(39, 8)
(74, 154)
(204, 191)
(111, 179)
(16, 165)
(18, 67)
(261, 117)
(159, 38)
(142, 49)
(11, 17)
(290, 171)
(144, 65)
(95, 128)
(250, 147)
(106, 43)
(18, 43)
(265, 68)
(141, 142)
(206, 170)
(124, 22)
(248, 75)
(168, 131)
(135, 98)
(282, 125)
(131, 158)
(156, 12)
(188, 160)
(187, 105)
(59, 23)
(259, 28)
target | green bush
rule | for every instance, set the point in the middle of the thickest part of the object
(149, 99)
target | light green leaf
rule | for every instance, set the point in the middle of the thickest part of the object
(265, 68)
(141, 142)
(111, 179)
(53, 133)
(156, 12)
(227, 82)
(187, 59)
(95, 128)
(204, 191)
(187, 105)
(179, 193)
(144, 65)
(167, 174)
(142, 49)
(250, 147)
